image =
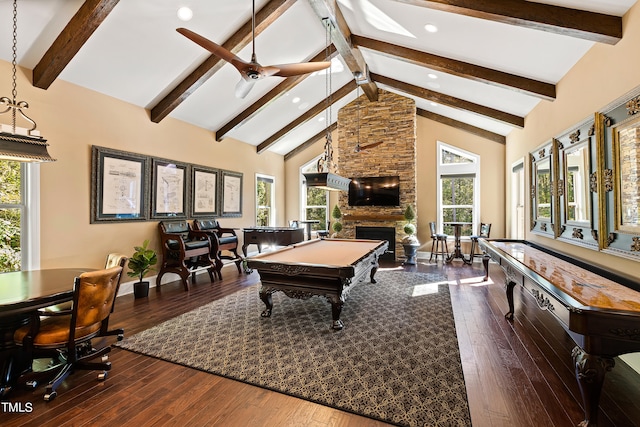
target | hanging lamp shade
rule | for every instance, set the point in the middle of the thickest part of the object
(23, 148)
(327, 181)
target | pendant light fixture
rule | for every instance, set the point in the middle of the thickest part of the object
(325, 178)
(20, 144)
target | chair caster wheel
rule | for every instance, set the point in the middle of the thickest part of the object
(105, 358)
(120, 337)
(31, 384)
(102, 376)
(50, 396)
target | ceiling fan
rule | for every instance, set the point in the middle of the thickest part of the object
(252, 71)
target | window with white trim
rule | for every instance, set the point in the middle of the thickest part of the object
(314, 201)
(265, 201)
(19, 216)
(458, 189)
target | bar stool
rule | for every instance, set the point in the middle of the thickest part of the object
(439, 243)
(484, 231)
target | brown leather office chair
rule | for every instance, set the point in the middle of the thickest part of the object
(483, 231)
(184, 251)
(113, 260)
(226, 241)
(66, 335)
(439, 243)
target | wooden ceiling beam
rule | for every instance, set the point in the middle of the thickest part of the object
(441, 98)
(265, 17)
(583, 24)
(70, 40)
(309, 142)
(459, 68)
(492, 136)
(341, 39)
(274, 94)
(308, 115)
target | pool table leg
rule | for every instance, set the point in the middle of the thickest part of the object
(374, 268)
(265, 296)
(336, 309)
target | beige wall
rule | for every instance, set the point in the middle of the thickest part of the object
(600, 77)
(73, 119)
(492, 176)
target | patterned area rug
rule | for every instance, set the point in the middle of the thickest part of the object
(396, 360)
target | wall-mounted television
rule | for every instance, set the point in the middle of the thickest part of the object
(374, 191)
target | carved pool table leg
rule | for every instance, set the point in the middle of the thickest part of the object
(265, 296)
(336, 309)
(510, 285)
(590, 371)
(374, 268)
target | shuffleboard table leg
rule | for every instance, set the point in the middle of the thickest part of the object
(510, 285)
(590, 371)
(485, 263)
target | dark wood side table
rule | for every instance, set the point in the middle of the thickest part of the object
(457, 251)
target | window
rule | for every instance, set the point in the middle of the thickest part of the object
(458, 184)
(315, 201)
(19, 214)
(265, 201)
(517, 200)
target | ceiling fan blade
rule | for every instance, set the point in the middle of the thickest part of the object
(289, 70)
(244, 87)
(214, 48)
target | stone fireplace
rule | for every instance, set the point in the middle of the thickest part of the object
(392, 120)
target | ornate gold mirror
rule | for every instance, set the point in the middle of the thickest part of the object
(577, 196)
(542, 175)
(626, 156)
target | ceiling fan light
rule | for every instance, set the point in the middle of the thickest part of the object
(185, 13)
(431, 28)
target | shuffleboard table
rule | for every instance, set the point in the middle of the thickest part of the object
(599, 309)
(322, 267)
(278, 236)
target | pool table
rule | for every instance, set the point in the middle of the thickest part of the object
(322, 267)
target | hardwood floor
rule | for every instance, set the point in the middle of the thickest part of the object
(517, 373)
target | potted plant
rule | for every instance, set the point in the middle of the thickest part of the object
(336, 226)
(410, 241)
(140, 264)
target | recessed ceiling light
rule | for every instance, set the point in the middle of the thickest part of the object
(185, 13)
(296, 100)
(321, 119)
(431, 28)
(432, 76)
(434, 104)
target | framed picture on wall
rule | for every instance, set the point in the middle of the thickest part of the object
(231, 194)
(204, 192)
(119, 185)
(169, 189)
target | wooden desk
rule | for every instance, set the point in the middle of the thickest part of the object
(21, 293)
(324, 267)
(600, 310)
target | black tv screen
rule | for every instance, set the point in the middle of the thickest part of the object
(375, 191)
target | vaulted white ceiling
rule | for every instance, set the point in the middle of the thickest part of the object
(483, 70)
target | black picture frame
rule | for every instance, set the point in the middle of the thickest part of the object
(169, 184)
(119, 186)
(205, 185)
(231, 190)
